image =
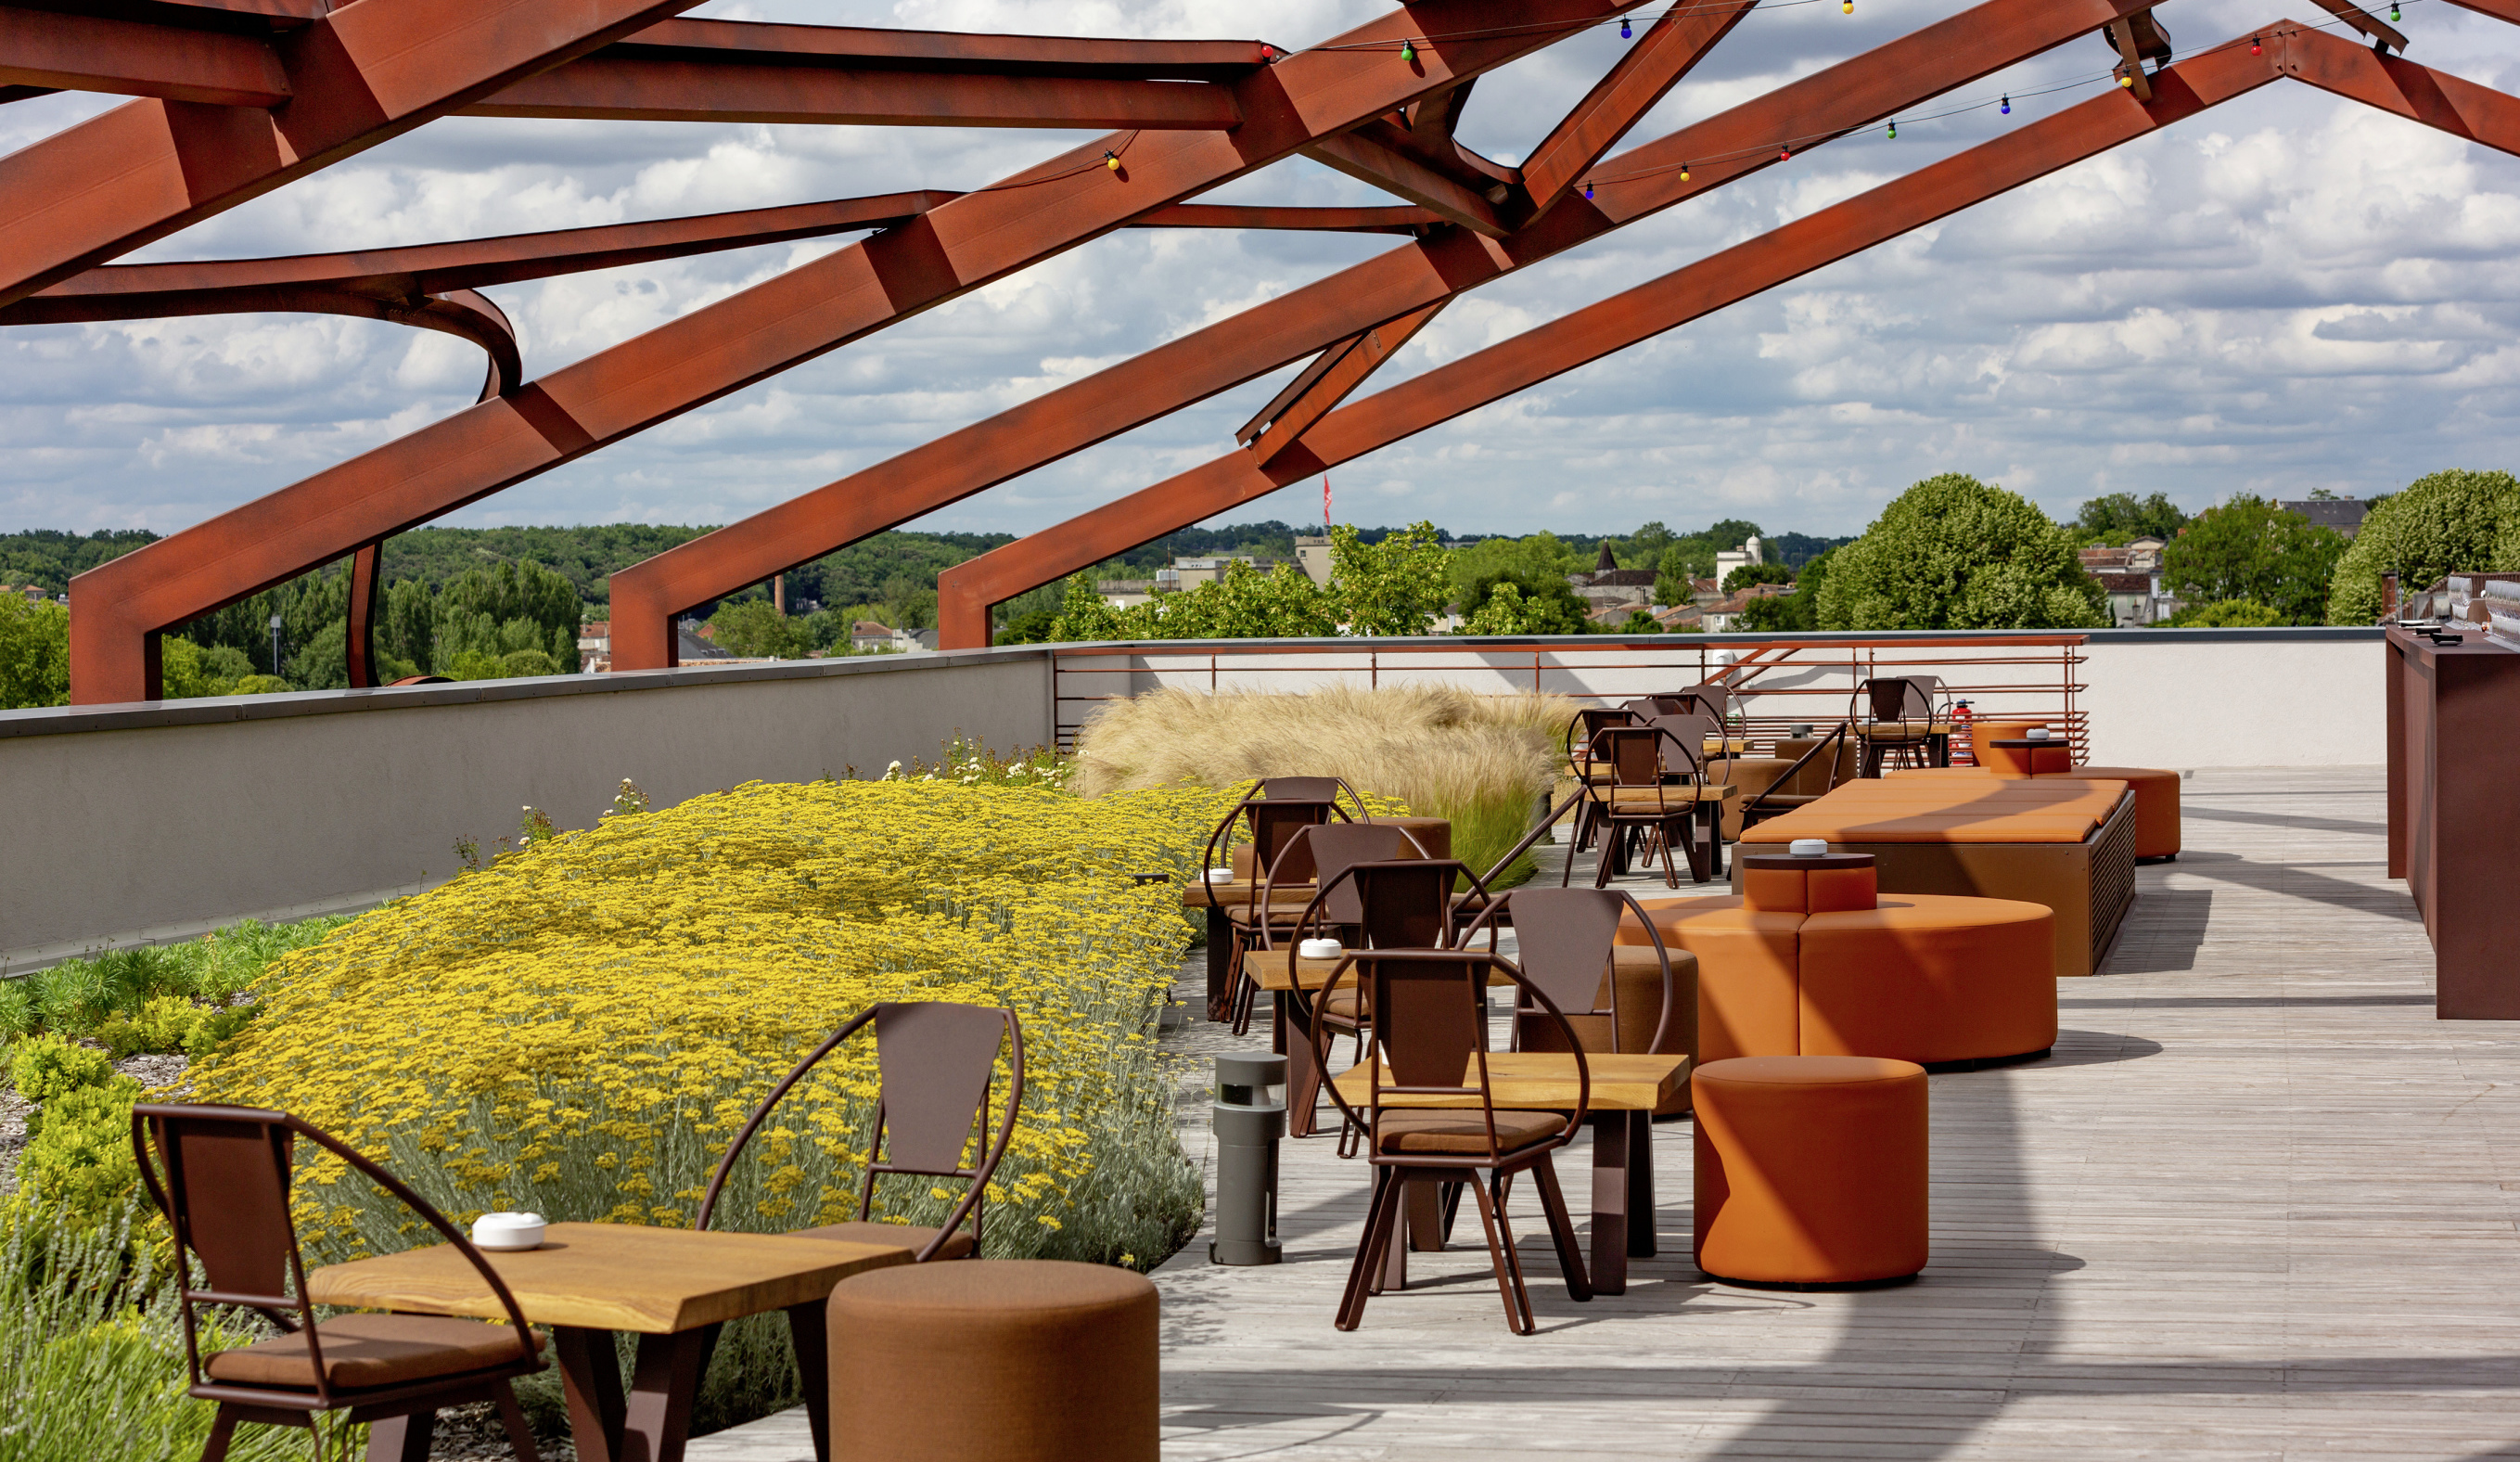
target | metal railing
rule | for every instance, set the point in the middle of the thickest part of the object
(1781, 681)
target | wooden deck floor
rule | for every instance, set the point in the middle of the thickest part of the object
(2259, 1203)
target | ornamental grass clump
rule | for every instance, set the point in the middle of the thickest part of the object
(1480, 761)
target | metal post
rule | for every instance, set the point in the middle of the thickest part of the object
(1249, 1116)
(275, 644)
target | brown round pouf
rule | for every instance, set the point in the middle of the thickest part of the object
(1008, 1360)
(1811, 1170)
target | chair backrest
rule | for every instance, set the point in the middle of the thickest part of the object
(1592, 719)
(1902, 698)
(1320, 853)
(1405, 904)
(1565, 942)
(1275, 828)
(1711, 701)
(935, 1063)
(1641, 755)
(1300, 789)
(221, 1176)
(1430, 1035)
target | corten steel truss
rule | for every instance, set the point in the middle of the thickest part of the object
(1282, 105)
(967, 591)
(244, 95)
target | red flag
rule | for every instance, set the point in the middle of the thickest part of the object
(1325, 501)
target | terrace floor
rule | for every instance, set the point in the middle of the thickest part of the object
(2259, 1203)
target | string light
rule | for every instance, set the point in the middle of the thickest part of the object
(2007, 104)
(1847, 5)
(1683, 172)
(2254, 47)
(1267, 53)
(1894, 129)
(1588, 193)
(2393, 10)
(1111, 160)
(1785, 154)
(1624, 33)
(2126, 79)
(1407, 51)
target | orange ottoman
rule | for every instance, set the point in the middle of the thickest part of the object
(1746, 974)
(1811, 1170)
(1930, 978)
(1015, 1360)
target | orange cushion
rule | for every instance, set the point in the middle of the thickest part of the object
(1811, 1170)
(1747, 971)
(2156, 806)
(1929, 978)
(369, 1350)
(1462, 1133)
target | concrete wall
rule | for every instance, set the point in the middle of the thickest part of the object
(2237, 698)
(131, 824)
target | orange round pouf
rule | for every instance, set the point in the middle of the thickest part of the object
(1811, 1170)
(1011, 1360)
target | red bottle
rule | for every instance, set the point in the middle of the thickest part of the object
(1963, 755)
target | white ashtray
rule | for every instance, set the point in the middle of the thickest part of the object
(1320, 949)
(2035, 733)
(1220, 875)
(507, 1232)
(1807, 847)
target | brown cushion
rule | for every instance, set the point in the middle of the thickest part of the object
(1462, 1133)
(1009, 1360)
(370, 1351)
(901, 1233)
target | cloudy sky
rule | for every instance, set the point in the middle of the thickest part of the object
(2287, 293)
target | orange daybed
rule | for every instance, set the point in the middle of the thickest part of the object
(2156, 791)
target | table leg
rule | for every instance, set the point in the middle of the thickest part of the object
(1424, 1204)
(656, 1415)
(591, 1377)
(1610, 1216)
(1640, 1185)
(401, 1439)
(1220, 965)
(808, 1326)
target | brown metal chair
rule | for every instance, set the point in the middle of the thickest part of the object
(1276, 813)
(1654, 787)
(1566, 938)
(1317, 855)
(221, 1176)
(1581, 727)
(935, 1061)
(1431, 1040)
(1775, 799)
(1909, 718)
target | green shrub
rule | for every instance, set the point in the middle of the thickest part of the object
(16, 1009)
(78, 1159)
(2225, 614)
(92, 1351)
(46, 1067)
(172, 1022)
(2443, 522)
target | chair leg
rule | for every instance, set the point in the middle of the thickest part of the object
(512, 1417)
(1670, 878)
(401, 1439)
(1368, 1250)
(1509, 1279)
(1561, 1230)
(222, 1432)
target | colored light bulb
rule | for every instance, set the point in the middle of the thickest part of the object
(1624, 33)
(1588, 192)
(1847, 5)
(1683, 172)
(2254, 48)
(1894, 131)
(2125, 81)
(1784, 154)
(1111, 160)
(1407, 51)
(2393, 10)
(2007, 104)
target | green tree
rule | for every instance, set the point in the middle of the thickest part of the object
(1397, 586)
(2250, 549)
(2118, 519)
(188, 670)
(1538, 558)
(1747, 575)
(1242, 603)
(2225, 614)
(35, 654)
(1955, 553)
(1548, 605)
(1797, 610)
(2443, 522)
(755, 627)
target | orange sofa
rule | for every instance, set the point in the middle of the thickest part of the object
(1812, 960)
(2066, 843)
(2156, 791)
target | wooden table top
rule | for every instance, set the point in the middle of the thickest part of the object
(1268, 966)
(1544, 1081)
(1242, 892)
(610, 1276)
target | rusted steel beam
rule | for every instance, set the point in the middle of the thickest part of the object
(967, 592)
(619, 87)
(357, 76)
(69, 52)
(1370, 158)
(1643, 75)
(367, 570)
(815, 307)
(1329, 381)
(2363, 20)
(971, 53)
(1411, 221)
(1890, 79)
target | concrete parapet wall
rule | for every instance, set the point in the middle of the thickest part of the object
(140, 823)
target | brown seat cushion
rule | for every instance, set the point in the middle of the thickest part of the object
(363, 1351)
(899, 1235)
(1462, 1133)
